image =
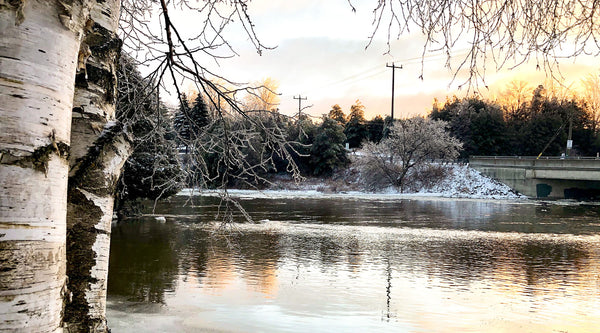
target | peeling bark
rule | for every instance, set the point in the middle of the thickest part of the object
(90, 211)
(18, 6)
(99, 150)
(40, 41)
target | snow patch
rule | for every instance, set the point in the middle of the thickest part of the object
(462, 182)
(465, 182)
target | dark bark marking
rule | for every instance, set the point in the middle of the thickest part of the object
(38, 160)
(104, 46)
(81, 79)
(103, 78)
(83, 214)
(15, 81)
(11, 58)
(18, 259)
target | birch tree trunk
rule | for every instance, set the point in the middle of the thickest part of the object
(37, 67)
(99, 148)
(39, 47)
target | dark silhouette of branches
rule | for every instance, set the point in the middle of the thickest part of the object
(217, 152)
(506, 33)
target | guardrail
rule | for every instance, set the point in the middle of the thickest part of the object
(535, 157)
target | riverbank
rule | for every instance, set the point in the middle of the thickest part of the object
(460, 182)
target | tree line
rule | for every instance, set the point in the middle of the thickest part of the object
(182, 147)
(535, 123)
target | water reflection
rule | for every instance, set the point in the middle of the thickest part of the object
(410, 266)
(144, 255)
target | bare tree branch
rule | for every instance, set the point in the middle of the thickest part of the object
(507, 33)
(177, 58)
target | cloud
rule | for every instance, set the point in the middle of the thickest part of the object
(321, 55)
(323, 68)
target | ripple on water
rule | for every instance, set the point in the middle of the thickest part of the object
(486, 266)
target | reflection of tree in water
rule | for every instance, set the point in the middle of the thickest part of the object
(461, 260)
(193, 252)
(146, 257)
(463, 214)
(217, 259)
(255, 255)
(532, 261)
(143, 261)
(545, 262)
(388, 289)
(324, 250)
(354, 255)
(499, 216)
(257, 258)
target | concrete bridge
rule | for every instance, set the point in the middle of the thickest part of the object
(546, 177)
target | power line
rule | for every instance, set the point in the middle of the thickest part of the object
(373, 71)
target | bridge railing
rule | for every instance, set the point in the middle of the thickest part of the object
(535, 157)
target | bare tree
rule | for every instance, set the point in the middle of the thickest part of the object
(514, 97)
(591, 95)
(177, 58)
(411, 143)
(265, 97)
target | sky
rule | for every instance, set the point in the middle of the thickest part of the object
(320, 53)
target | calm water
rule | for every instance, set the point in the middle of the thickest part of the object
(339, 265)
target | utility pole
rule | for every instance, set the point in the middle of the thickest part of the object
(570, 137)
(393, 67)
(300, 99)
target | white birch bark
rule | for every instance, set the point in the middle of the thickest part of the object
(94, 172)
(39, 43)
(90, 208)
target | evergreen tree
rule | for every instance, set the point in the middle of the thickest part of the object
(182, 121)
(479, 124)
(337, 114)
(521, 128)
(542, 131)
(303, 136)
(199, 114)
(153, 171)
(488, 132)
(327, 152)
(388, 123)
(375, 129)
(356, 128)
(189, 122)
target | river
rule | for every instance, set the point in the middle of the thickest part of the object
(358, 265)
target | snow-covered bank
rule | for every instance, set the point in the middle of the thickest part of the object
(465, 182)
(461, 182)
